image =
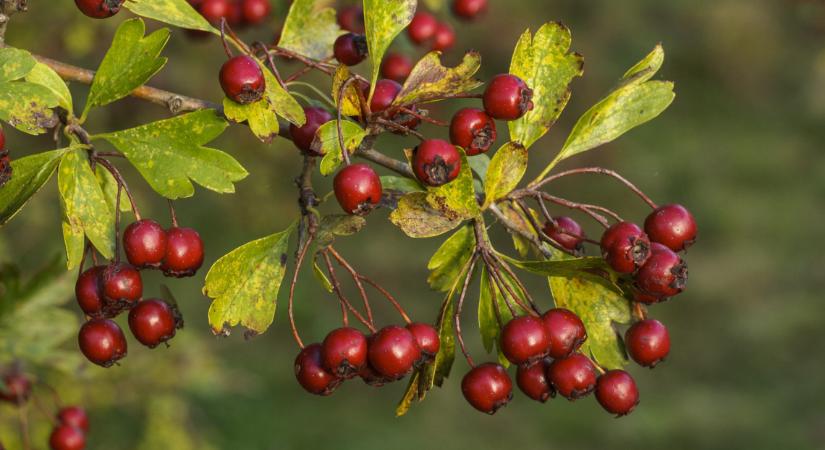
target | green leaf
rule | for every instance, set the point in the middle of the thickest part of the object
(480, 164)
(400, 184)
(430, 80)
(437, 371)
(109, 186)
(410, 395)
(283, 103)
(338, 225)
(310, 29)
(545, 63)
(29, 175)
(44, 76)
(504, 173)
(169, 153)
(447, 262)
(262, 120)
(245, 282)
(456, 200)
(74, 240)
(490, 298)
(321, 277)
(383, 21)
(647, 67)
(27, 106)
(418, 219)
(15, 64)
(130, 62)
(174, 12)
(352, 103)
(327, 143)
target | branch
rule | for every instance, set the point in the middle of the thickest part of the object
(7, 9)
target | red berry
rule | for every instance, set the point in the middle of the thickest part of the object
(566, 232)
(5, 167)
(422, 27)
(573, 377)
(344, 352)
(2, 140)
(473, 130)
(532, 380)
(647, 342)
(469, 9)
(74, 416)
(384, 95)
(507, 97)
(524, 340)
(235, 17)
(215, 10)
(436, 162)
(487, 387)
(393, 351)
(357, 188)
(242, 79)
(427, 338)
(444, 37)
(89, 291)
(304, 136)
(255, 11)
(351, 18)
(672, 226)
(625, 247)
(396, 67)
(350, 49)
(18, 388)
(144, 242)
(102, 342)
(153, 322)
(647, 299)
(184, 252)
(99, 9)
(67, 437)
(565, 331)
(122, 288)
(617, 392)
(664, 274)
(311, 374)
(370, 376)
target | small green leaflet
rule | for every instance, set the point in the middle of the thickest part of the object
(174, 12)
(400, 184)
(545, 63)
(588, 268)
(430, 80)
(169, 153)
(418, 219)
(327, 143)
(29, 175)
(479, 163)
(446, 263)
(44, 75)
(383, 21)
(647, 67)
(321, 277)
(244, 284)
(310, 29)
(15, 64)
(456, 200)
(337, 225)
(504, 172)
(109, 186)
(130, 62)
(24, 105)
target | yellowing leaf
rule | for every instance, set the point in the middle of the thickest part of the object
(383, 21)
(446, 263)
(456, 200)
(327, 143)
(29, 175)
(310, 29)
(418, 219)
(504, 172)
(174, 12)
(262, 120)
(45, 76)
(430, 80)
(351, 103)
(15, 63)
(28, 106)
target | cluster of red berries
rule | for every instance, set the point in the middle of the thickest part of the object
(387, 355)
(103, 292)
(238, 13)
(5, 161)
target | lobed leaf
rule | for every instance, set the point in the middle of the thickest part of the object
(281, 101)
(327, 143)
(504, 172)
(30, 174)
(310, 29)
(446, 263)
(383, 21)
(418, 219)
(262, 120)
(430, 80)
(45, 76)
(179, 13)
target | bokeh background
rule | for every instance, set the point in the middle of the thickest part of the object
(741, 146)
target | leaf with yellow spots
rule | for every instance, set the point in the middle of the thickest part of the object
(430, 80)
(310, 29)
(30, 174)
(179, 13)
(351, 105)
(383, 21)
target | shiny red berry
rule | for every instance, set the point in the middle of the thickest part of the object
(427, 338)
(351, 18)
(5, 168)
(350, 49)
(153, 322)
(144, 243)
(487, 387)
(235, 17)
(2, 140)
(242, 79)
(102, 342)
(436, 162)
(422, 28)
(122, 288)
(99, 9)
(89, 291)
(311, 374)
(444, 37)
(573, 377)
(616, 391)
(647, 299)
(672, 226)
(393, 351)
(532, 380)
(473, 130)
(565, 331)
(469, 9)
(17, 388)
(625, 247)
(384, 95)
(215, 10)
(664, 274)
(566, 232)
(647, 342)
(255, 11)
(524, 340)
(396, 67)
(344, 352)
(357, 188)
(74, 416)
(67, 437)
(507, 97)
(304, 136)
(184, 252)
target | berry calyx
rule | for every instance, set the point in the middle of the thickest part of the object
(426, 336)
(17, 389)
(436, 162)
(422, 27)
(184, 252)
(444, 37)
(616, 391)
(102, 342)
(664, 274)
(647, 342)
(565, 331)
(122, 288)
(384, 95)
(242, 79)
(566, 232)
(473, 130)
(144, 243)
(67, 437)
(393, 351)
(350, 49)
(304, 136)
(370, 376)
(153, 322)
(533, 382)
(625, 247)
(358, 189)
(469, 9)
(351, 18)
(74, 416)
(396, 67)
(487, 387)
(89, 291)
(672, 226)
(99, 9)
(255, 11)
(507, 97)
(344, 352)
(573, 377)
(311, 374)
(524, 340)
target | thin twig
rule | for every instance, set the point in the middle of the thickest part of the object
(357, 279)
(599, 171)
(459, 306)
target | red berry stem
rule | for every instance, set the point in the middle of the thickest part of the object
(423, 117)
(503, 265)
(291, 304)
(262, 48)
(494, 295)
(226, 48)
(321, 66)
(504, 287)
(117, 222)
(23, 418)
(389, 297)
(341, 91)
(343, 299)
(460, 305)
(397, 126)
(639, 311)
(356, 278)
(121, 182)
(539, 231)
(172, 213)
(600, 171)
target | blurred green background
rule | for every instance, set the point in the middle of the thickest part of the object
(741, 146)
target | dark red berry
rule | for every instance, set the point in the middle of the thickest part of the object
(357, 188)
(566, 232)
(436, 162)
(350, 49)
(74, 416)
(102, 342)
(393, 351)
(67, 437)
(573, 377)
(310, 373)
(396, 67)
(144, 242)
(18, 388)
(625, 247)
(351, 18)
(384, 95)
(89, 291)
(242, 79)
(647, 342)
(2, 140)
(184, 252)
(672, 226)
(99, 9)
(344, 352)
(153, 322)
(565, 331)
(487, 387)
(664, 274)
(122, 288)
(304, 136)
(5, 168)
(532, 380)
(524, 340)
(370, 376)
(507, 97)
(215, 10)
(469, 9)
(444, 37)
(616, 391)
(473, 130)
(235, 17)
(647, 299)
(422, 27)
(427, 338)
(255, 11)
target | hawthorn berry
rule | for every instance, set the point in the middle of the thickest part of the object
(304, 136)
(565, 331)
(384, 95)
(370, 376)
(255, 11)
(2, 140)
(344, 352)
(357, 188)
(74, 416)
(67, 437)
(5, 167)
(647, 342)
(102, 342)
(422, 27)
(311, 374)
(426, 336)
(350, 49)
(215, 10)
(235, 17)
(664, 274)
(184, 252)
(566, 232)
(646, 298)
(242, 79)
(351, 18)
(469, 9)
(532, 380)
(393, 351)
(625, 247)
(99, 9)
(672, 226)
(524, 340)
(144, 243)
(473, 130)
(17, 389)
(573, 377)
(122, 288)
(396, 67)
(507, 97)
(616, 391)
(89, 291)
(153, 322)
(436, 162)
(487, 387)
(444, 37)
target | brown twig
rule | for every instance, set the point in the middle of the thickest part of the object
(459, 306)
(599, 171)
(355, 278)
